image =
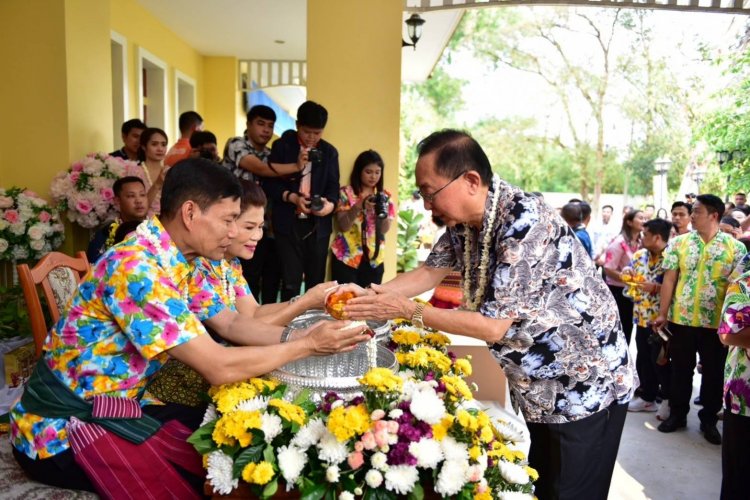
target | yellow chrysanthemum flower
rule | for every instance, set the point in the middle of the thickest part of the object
(405, 337)
(483, 496)
(457, 387)
(228, 396)
(475, 452)
(533, 474)
(425, 357)
(289, 412)
(260, 473)
(237, 425)
(347, 422)
(440, 430)
(485, 434)
(462, 366)
(437, 339)
(467, 420)
(382, 380)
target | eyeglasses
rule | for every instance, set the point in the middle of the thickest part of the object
(430, 197)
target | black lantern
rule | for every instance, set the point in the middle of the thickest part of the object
(414, 30)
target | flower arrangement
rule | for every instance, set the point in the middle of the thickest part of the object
(29, 227)
(84, 191)
(416, 433)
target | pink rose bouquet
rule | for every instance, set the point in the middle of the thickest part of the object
(84, 191)
(29, 227)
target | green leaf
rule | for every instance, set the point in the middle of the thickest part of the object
(268, 455)
(417, 493)
(252, 454)
(302, 397)
(271, 488)
(201, 439)
(316, 492)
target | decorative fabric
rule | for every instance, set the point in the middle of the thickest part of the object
(646, 267)
(122, 319)
(237, 148)
(348, 246)
(448, 293)
(176, 382)
(735, 318)
(565, 354)
(63, 282)
(704, 271)
(619, 253)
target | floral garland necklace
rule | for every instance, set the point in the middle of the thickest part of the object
(144, 232)
(472, 304)
(226, 287)
(112, 232)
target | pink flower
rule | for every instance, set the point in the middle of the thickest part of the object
(84, 206)
(368, 440)
(6, 202)
(11, 216)
(379, 426)
(30, 193)
(74, 177)
(44, 216)
(358, 446)
(76, 167)
(107, 194)
(381, 438)
(377, 414)
(392, 426)
(355, 460)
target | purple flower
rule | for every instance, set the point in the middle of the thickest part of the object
(357, 401)
(399, 455)
(739, 388)
(409, 432)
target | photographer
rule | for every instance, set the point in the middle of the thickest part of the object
(364, 216)
(203, 144)
(303, 203)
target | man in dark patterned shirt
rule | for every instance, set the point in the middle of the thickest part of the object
(533, 294)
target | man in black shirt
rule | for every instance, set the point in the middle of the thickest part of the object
(131, 140)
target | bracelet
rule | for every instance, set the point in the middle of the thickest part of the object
(416, 317)
(294, 299)
(285, 334)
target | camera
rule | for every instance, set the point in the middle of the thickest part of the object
(315, 155)
(316, 203)
(207, 154)
(381, 205)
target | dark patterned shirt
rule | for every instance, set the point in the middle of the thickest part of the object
(565, 355)
(237, 148)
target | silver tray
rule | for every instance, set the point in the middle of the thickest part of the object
(382, 329)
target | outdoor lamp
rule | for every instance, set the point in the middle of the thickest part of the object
(722, 157)
(661, 165)
(414, 30)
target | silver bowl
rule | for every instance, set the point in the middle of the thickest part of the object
(381, 329)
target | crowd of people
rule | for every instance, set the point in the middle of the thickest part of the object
(188, 290)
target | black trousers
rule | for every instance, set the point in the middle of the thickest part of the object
(303, 257)
(263, 271)
(651, 375)
(62, 471)
(735, 456)
(364, 275)
(575, 460)
(625, 308)
(683, 345)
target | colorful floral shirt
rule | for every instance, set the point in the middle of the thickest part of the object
(347, 245)
(736, 317)
(565, 354)
(619, 253)
(123, 319)
(646, 268)
(225, 279)
(704, 271)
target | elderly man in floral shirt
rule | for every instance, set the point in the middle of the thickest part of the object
(698, 266)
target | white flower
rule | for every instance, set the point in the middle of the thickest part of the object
(373, 478)
(309, 434)
(452, 477)
(401, 478)
(3, 245)
(18, 228)
(332, 474)
(513, 473)
(337, 403)
(219, 472)
(346, 495)
(20, 253)
(379, 460)
(453, 450)
(37, 245)
(428, 453)
(256, 404)
(270, 425)
(210, 415)
(291, 462)
(426, 405)
(3, 223)
(509, 432)
(395, 414)
(36, 232)
(358, 491)
(331, 450)
(6, 202)
(513, 495)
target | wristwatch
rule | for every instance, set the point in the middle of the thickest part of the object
(416, 317)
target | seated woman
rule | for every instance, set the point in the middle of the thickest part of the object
(178, 383)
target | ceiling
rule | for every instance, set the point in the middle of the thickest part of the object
(277, 29)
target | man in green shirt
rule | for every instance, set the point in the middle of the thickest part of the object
(698, 265)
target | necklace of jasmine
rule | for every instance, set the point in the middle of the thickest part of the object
(224, 270)
(470, 303)
(143, 232)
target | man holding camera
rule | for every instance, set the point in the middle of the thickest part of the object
(303, 203)
(203, 144)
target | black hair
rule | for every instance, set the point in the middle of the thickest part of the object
(145, 137)
(575, 200)
(571, 212)
(728, 205)
(650, 205)
(713, 204)
(261, 111)
(678, 204)
(188, 120)
(199, 180)
(659, 227)
(311, 114)
(731, 221)
(456, 152)
(131, 124)
(740, 194)
(626, 230)
(660, 211)
(585, 210)
(609, 206)
(252, 196)
(364, 159)
(746, 242)
(124, 229)
(119, 183)
(198, 139)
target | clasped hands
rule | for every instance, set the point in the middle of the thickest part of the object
(376, 302)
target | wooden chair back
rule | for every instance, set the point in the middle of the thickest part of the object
(58, 276)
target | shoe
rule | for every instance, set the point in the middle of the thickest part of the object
(638, 404)
(697, 401)
(672, 424)
(711, 433)
(662, 413)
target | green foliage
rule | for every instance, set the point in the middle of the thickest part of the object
(408, 241)
(14, 317)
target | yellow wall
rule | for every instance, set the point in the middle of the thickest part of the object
(221, 98)
(142, 29)
(354, 70)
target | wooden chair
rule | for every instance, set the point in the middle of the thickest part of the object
(58, 275)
